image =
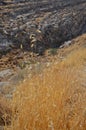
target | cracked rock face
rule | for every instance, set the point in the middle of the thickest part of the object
(58, 21)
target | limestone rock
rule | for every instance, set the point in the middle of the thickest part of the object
(58, 20)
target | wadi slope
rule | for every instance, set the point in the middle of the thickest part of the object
(56, 98)
(51, 22)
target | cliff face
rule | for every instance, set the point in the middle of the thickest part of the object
(48, 23)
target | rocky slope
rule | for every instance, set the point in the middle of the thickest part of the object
(36, 25)
(56, 97)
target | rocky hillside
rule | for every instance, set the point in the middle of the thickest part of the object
(54, 99)
(48, 91)
(35, 25)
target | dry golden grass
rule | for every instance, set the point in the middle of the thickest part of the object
(53, 100)
(5, 111)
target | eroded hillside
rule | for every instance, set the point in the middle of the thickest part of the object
(40, 24)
